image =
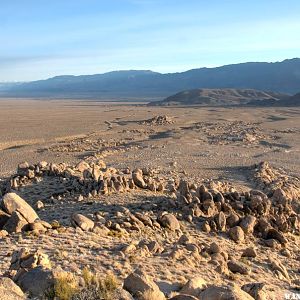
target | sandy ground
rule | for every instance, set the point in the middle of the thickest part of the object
(198, 143)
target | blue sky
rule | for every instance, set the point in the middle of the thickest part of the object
(42, 38)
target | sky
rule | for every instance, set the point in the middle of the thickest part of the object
(42, 38)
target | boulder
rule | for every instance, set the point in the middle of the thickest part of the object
(170, 221)
(275, 234)
(9, 290)
(3, 218)
(215, 292)
(36, 281)
(16, 223)
(194, 286)
(83, 222)
(205, 227)
(139, 283)
(12, 202)
(237, 234)
(184, 297)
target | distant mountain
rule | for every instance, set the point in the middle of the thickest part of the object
(220, 97)
(292, 101)
(279, 77)
(5, 86)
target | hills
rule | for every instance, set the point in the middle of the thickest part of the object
(293, 101)
(278, 77)
(220, 97)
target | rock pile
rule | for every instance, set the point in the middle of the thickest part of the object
(283, 188)
(229, 132)
(240, 214)
(31, 271)
(86, 178)
(158, 120)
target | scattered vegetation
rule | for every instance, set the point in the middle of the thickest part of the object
(66, 287)
(114, 233)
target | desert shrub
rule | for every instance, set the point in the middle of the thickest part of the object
(97, 288)
(114, 233)
(65, 286)
(151, 295)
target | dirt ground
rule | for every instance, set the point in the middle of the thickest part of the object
(205, 142)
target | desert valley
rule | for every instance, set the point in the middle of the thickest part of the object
(170, 202)
(149, 150)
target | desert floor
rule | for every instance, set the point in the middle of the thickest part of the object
(205, 142)
(196, 143)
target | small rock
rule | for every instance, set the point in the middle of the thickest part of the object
(194, 286)
(138, 179)
(237, 234)
(215, 248)
(256, 290)
(170, 221)
(238, 267)
(249, 252)
(205, 227)
(83, 222)
(247, 224)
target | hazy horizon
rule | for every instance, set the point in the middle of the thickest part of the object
(40, 40)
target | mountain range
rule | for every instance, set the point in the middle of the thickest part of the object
(278, 77)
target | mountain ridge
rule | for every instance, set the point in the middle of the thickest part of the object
(279, 77)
